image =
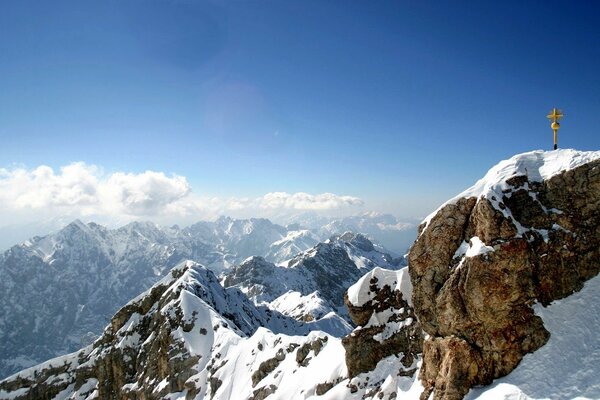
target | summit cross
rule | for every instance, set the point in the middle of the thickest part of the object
(554, 116)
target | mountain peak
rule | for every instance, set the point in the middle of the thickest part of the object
(535, 166)
(526, 233)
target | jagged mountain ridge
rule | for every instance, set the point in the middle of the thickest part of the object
(58, 291)
(172, 338)
(394, 234)
(312, 283)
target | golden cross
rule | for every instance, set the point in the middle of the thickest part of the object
(554, 116)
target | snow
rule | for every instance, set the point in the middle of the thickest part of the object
(360, 293)
(14, 394)
(391, 328)
(473, 248)
(295, 305)
(477, 248)
(161, 385)
(537, 165)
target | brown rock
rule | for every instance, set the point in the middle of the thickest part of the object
(364, 346)
(478, 309)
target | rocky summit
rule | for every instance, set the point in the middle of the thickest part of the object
(528, 232)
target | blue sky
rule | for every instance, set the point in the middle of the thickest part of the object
(399, 104)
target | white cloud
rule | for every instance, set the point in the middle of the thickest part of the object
(79, 190)
(306, 202)
(143, 194)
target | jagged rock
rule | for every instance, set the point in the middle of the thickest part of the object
(451, 366)
(315, 346)
(311, 285)
(263, 392)
(268, 366)
(521, 235)
(387, 324)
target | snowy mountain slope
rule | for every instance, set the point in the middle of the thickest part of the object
(312, 283)
(238, 238)
(186, 336)
(293, 243)
(60, 290)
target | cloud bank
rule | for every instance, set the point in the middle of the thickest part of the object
(79, 190)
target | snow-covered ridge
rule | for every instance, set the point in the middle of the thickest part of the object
(538, 165)
(312, 284)
(190, 323)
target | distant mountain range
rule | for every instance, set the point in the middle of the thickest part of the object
(395, 235)
(59, 291)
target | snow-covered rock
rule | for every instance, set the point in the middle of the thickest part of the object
(379, 304)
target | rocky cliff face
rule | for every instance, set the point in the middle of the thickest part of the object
(528, 232)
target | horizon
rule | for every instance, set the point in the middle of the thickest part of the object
(175, 112)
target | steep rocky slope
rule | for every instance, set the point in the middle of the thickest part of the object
(380, 305)
(528, 232)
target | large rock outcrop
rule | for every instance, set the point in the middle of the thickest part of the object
(528, 232)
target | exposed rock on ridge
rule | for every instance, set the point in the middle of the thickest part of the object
(379, 304)
(528, 232)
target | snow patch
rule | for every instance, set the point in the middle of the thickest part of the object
(360, 293)
(477, 248)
